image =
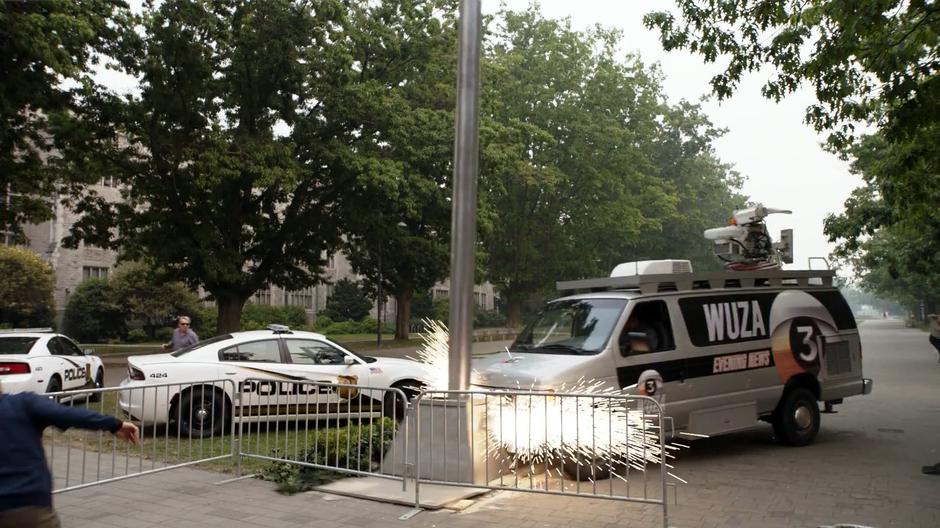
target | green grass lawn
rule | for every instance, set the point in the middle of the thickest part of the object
(162, 444)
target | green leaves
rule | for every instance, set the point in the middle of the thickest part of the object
(26, 290)
(46, 52)
(584, 164)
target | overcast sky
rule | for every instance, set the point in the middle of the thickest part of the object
(767, 142)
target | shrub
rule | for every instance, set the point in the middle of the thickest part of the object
(258, 316)
(137, 335)
(422, 306)
(91, 315)
(164, 334)
(349, 445)
(26, 289)
(442, 309)
(347, 303)
(487, 319)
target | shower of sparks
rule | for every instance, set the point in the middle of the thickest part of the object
(434, 354)
(594, 427)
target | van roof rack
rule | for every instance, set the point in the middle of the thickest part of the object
(702, 281)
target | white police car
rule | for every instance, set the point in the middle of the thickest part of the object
(264, 366)
(41, 361)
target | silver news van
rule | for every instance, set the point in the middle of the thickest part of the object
(721, 350)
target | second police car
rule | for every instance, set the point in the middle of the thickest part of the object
(41, 361)
(264, 367)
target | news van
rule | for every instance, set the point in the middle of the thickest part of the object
(720, 350)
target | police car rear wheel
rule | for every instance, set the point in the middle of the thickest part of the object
(201, 413)
(796, 422)
(55, 385)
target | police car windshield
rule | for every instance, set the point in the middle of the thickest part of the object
(580, 326)
(16, 345)
(201, 344)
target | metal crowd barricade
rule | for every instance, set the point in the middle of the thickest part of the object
(601, 446)
(181, 424)
(346, 428)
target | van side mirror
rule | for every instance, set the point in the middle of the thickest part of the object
(349, 361)
(636, 342)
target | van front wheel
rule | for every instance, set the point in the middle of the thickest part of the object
(796, 421)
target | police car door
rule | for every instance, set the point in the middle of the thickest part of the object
(656, 366)
(259, 371)
(317, 360)
(73, 366)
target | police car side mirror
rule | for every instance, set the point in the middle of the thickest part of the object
(349, 361)
(89, 351)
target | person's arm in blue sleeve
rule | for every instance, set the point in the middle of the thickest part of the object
(47, 412)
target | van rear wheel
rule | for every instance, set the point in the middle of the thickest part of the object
(796, 421)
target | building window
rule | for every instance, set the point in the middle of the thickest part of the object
(332, 262)
(439, 293)
(263, 297)
(107, 181)
(302, 298)
(483, 300)
(94, 272)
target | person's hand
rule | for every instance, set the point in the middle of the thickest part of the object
(129, 433)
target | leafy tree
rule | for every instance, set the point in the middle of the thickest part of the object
(228, 153)
(397, 219)
(890, 229)
(26, 289)
(584, 165)
(147, 299)
(868, 60)
(46, 49)
(91, 314)
(422, 306)
(348, 302)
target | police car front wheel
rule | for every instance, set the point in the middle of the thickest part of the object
(796, 421)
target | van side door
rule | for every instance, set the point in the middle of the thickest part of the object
(646, 347)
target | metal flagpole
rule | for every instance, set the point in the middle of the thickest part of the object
(466, 169)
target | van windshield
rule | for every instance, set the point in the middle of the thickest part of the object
(579, 326)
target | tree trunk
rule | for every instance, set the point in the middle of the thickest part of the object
(403, 317)
(230, 313)
(514, 312)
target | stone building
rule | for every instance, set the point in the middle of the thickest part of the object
(72, 266)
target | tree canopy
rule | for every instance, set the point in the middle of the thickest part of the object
(47, 51)
(26, 289)
(226, 155)
(871, 62)
(585, 164)
(264, 136)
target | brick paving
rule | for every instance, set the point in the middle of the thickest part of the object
(863, 469)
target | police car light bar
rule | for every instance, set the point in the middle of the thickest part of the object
(25, 330)
(279, 329)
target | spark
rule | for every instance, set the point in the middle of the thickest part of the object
(593, 426)
(434, 354)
